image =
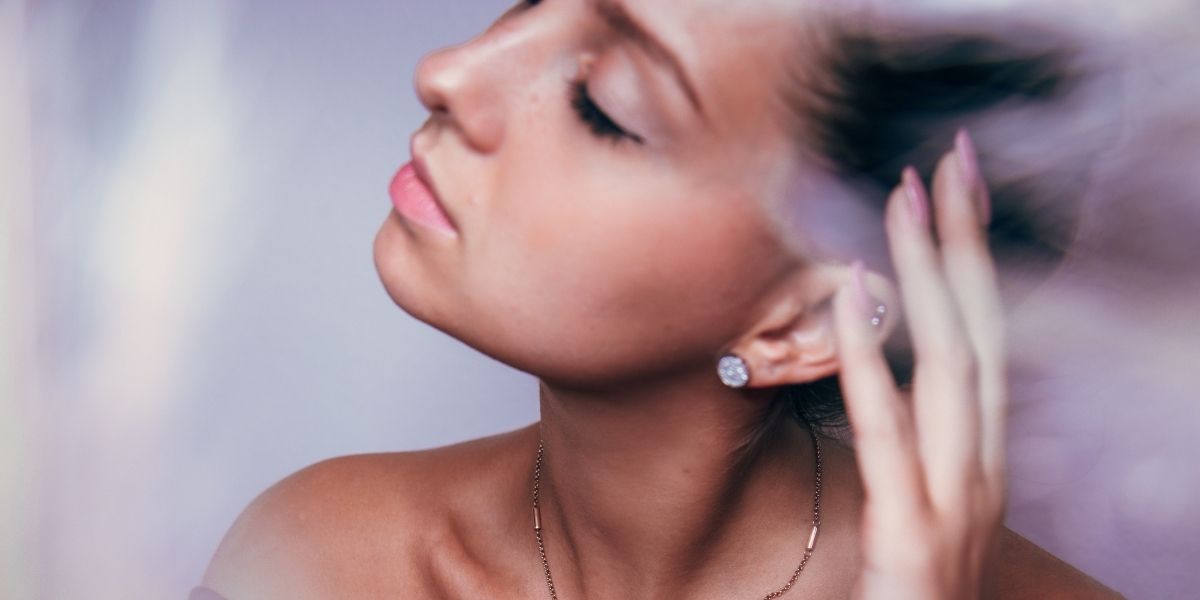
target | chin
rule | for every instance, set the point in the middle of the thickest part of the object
(417, 281)
(395, 266)
(423, 282)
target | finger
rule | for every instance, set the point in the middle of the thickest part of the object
(884, 435)
(944, 403)
(961, 212)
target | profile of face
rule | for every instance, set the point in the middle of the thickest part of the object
(608, 167)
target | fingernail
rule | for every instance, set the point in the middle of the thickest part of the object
(968, 160)
(966, 156)
(918, 200)
(871, 308)
(862, 298)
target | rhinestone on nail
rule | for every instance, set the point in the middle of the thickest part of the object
(880, 311)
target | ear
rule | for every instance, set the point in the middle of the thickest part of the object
(795, 342)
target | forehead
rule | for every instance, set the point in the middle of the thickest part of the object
(736, 53)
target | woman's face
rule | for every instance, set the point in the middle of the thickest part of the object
(611, 218)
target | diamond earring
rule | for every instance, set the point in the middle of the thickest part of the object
(733, 371)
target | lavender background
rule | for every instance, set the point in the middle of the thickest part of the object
(190, 311)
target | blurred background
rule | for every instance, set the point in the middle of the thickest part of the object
(189, 310)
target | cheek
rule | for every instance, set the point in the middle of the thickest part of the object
(635, 280)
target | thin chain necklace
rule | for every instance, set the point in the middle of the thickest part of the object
(812, 536)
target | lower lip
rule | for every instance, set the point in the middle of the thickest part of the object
(413, 199)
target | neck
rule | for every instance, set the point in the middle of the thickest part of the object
(666, 491)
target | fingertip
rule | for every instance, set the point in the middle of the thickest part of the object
(852, 324)
(917, 196)
(858, 285)
(843, 305)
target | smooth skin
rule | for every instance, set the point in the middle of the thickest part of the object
(617, 273)
(918, 516)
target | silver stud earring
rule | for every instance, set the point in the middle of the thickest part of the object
(880, 312)
(733, 371)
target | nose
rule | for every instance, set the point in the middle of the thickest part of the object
(460, 86)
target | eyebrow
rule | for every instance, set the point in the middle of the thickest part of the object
(615, 15)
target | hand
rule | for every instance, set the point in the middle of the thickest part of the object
(932, 466)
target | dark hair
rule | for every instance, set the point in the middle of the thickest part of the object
(871, 100)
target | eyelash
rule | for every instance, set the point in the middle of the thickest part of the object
(591, 115)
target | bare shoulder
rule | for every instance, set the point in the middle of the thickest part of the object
(352, 526)
(1025, 570)
(299, 538)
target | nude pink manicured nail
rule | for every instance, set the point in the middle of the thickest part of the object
(968, 158)
(918, 200)
(858, 278)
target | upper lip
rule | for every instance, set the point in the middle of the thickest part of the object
(422, 171)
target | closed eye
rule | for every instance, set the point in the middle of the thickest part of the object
(600, 124)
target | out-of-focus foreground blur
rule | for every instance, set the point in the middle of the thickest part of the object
(189, 310)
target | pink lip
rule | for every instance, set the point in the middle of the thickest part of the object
(414, 197)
